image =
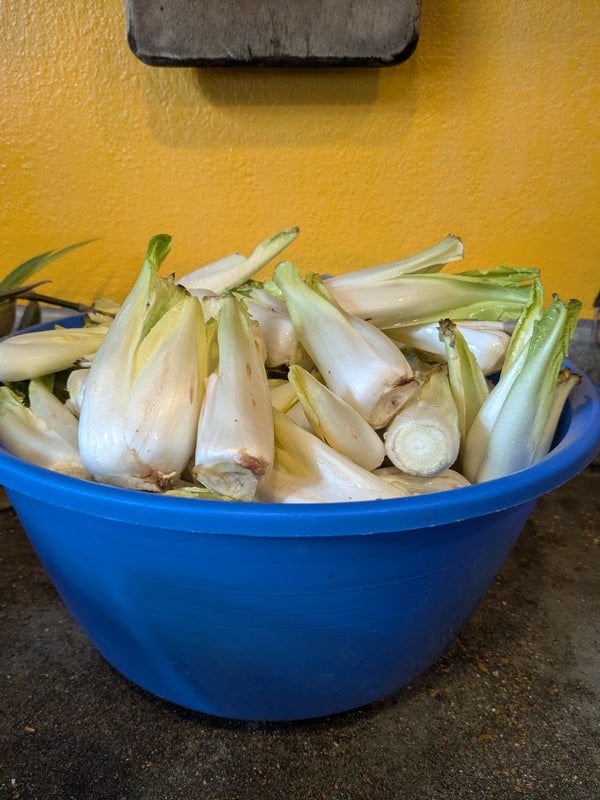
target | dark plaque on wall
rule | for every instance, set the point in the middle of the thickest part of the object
(279, 33)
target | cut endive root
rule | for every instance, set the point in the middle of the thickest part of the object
(423, 438)
(234, 446)
(138, 419)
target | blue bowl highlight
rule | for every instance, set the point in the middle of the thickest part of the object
(282, 612)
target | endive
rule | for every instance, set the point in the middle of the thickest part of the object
(335, 421)
(417, 484)
(281, 340)
(475, 441)
(419, 299)
(506, 433)
(468, 383)
(285, 399)
(138, 418)
(235, 269)
(75, 387)
(307, 470)
(567, 380)
(26, 435)
(487, 340)
(57, 415)
(38, 353)
(358, 362)
(234, 446)
(432, 259)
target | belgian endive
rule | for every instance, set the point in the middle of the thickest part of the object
(358, 362)
(56, 414)
(416, 484)
(335, 421)
(281, 340)
(468, 383)
(419, 299)
(432, 259)
(234, 447)
(25, 434)
(511, 429)
(38, 353)
(308, 470)
(487, 340)
(235, 269)
(141, 401)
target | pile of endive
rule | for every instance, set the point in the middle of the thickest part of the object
(383, 382)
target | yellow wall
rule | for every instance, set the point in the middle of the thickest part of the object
(489, 131)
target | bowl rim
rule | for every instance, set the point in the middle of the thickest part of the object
(578, 446)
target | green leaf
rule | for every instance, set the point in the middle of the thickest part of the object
(503, 276)
(28, 268)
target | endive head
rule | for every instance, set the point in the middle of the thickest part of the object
(142, 394)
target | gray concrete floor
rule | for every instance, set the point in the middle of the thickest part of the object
(512, 709)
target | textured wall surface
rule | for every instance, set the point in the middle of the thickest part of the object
(489, 131)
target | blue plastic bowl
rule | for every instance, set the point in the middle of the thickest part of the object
(282, 612)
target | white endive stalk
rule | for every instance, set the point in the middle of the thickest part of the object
(523, 329)
(142, 395)
(475, 443)
(281, 340)
(415, 484)
(506, 433)
(567, 381)
(283, 394)
(285, 399)
(75, 386)
(57, 415)
(419, 299)
(236, 269)
(468, 383)
(297, 414)
(211, 308)
(488, 340)
(424, 438)
(26, 435)
(358, 362)
(234, 447)
(336, 422)
(432, 259)
(307, 470)
(38, 353)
